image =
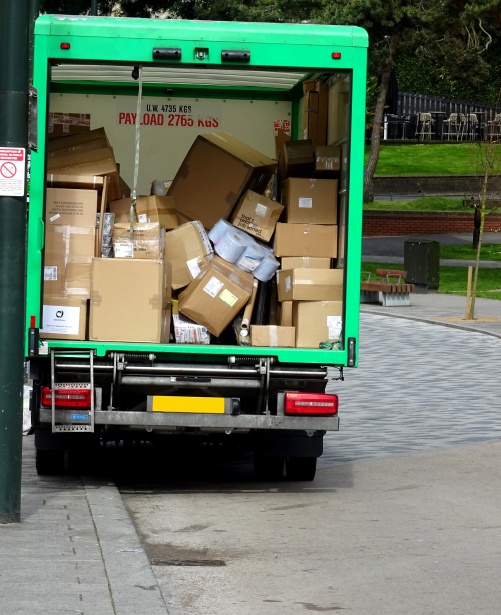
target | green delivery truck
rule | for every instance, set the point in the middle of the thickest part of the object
(151, 88)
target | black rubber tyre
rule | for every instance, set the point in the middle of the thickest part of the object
(301, 468)
(49, 463)
(268, 468)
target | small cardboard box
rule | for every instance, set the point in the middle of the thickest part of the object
(316, 322)
(121, 210)
(273, 336)
(73, 207)
(305, 262)
(310, 201)
(147, 240)
(63, 124)
(189, 251)
(92, 162)
(67, 259)
(257, 215)
(216, 296)
(306, 240)
(296, 159)
(310, 116)
(64, 318)
(128, 301)
(157, 209)
(327, 160)
(186, 331)
(310, 284)
(215, 173)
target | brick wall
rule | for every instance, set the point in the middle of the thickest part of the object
(387, 223)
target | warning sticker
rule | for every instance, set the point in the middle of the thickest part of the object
(12, 171)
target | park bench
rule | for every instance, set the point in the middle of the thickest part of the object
(389, 288)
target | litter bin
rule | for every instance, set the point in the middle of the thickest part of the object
(422, 263)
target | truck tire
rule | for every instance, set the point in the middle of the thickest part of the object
(268, 468)
(49, 463)
(301, 468)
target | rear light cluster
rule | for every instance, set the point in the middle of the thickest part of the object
(70, 397)
(310, 404)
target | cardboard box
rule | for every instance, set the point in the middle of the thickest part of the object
(81, 141)
(215, 173)
(317, 322)
(327, 160)
(189, 251)
(306, 240)
(93, 162)
(121, 210)
(310, 284)
(305, 262)
(147, 240)
(296, 159)
(310, 116)
(63, 124)
(157, 209)
(257, 215)
(64, 318)
(216, 296)
(128, 301)
(310, 201)
(70, 206)
(273, 336)
(186, 331)
(67, 260)
(285, 313)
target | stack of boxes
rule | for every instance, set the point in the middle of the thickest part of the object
(135, 266)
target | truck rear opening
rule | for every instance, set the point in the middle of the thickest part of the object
(194, 234)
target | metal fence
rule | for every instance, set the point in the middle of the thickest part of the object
(412, 104)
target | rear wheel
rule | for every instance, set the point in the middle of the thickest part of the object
(49, 463)
(300, 468)
(268, 468)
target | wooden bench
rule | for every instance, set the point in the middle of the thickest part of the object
(389, 288)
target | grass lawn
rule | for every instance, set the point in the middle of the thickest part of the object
(454, 280)
(435, 159)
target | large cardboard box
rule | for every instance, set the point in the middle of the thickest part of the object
(70, 206)
(189, 251)
(128, 301)
(157, 209)
(306, 240)
(316, 322)
(257, 215)
(147, 240)
(81, 141)
(310, 201)
(273, 336)
(310, 284)
(92, 162)
(215, 173)
(67, 259)
(216, 296)
(305, 262)
(64, 318)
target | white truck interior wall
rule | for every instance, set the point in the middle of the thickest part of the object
(163, 146)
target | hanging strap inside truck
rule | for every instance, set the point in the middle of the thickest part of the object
(132, 214)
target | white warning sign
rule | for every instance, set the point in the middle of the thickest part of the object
(12, 171)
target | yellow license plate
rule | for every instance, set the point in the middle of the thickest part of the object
(205, 405)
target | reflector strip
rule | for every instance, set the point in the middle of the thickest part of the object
(197, 405)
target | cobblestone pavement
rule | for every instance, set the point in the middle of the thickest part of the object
(418, 387)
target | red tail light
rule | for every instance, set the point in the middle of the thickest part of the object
(67, 397)
(311, 404)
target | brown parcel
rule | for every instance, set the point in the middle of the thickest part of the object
(157, 209)
(310, 201)
(310, 284)
(65, 124)
(285, 313)
(129, 301)
(306, 240)
(189, 251)
(316, 322)
(327, 160)
(216, 296)
(215, 173)
(80, 142)
(273, 336)
(64, 318)
(67, 259)
(310, 116)
(302, 262)
(70, 206)
(147, 240)
(257, 215)
(296, 159)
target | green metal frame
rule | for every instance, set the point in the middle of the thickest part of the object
(273, 47)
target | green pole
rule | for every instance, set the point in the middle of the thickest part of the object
(14, 47)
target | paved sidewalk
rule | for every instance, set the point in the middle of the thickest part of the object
(76, 549)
